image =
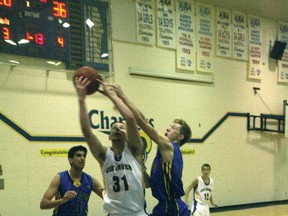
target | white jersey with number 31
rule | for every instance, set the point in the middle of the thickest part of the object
(123, 194)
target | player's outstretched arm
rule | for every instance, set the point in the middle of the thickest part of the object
(163, 142)
(95, 146)
(134, 141)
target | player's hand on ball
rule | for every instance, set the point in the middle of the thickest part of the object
(81, 84)
(90, 74)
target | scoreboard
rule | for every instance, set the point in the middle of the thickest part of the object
(57, 30)
(37, 28)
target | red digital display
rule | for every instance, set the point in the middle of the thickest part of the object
(6, 33)
(37, 38)
(59, 9)
(61, 41)
(7, 3)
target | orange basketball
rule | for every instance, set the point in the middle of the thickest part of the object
(91, 74)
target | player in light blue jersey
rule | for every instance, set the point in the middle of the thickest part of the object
(71, 188)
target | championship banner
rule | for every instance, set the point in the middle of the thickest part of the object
(166, 24)
(255, 51)
(185, 29)
(239, 37)
(283, 64)
(145, 21)
(204, 41)
(224, 33)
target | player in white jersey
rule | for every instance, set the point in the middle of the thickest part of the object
(122, 163)
(123, 184)
(203, 187)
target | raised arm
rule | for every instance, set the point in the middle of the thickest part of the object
(47, 202)
(163, 142)
(134, 140)
(95, 146)
(193, 185)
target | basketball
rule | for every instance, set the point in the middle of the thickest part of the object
(91, 74)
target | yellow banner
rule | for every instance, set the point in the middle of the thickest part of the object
(188, 151)
(54, 152)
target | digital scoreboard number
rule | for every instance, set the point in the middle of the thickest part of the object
(37, 28)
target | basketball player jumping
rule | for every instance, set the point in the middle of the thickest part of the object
(166, 173)
(121, 164)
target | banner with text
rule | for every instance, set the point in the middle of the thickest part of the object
(224, 33)
(205, 34)
(145, 21)
(255, 51)
(283, 64)
(166, 24)
(185, 41)
(239, 37)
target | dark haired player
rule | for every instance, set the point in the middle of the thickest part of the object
(71, 188)
(203, 187)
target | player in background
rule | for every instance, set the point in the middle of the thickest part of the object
(203, 187)
(71, 188)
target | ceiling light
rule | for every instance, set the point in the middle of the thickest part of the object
(23, 41)
(11, 42)
(54, 63)
(89, 23)
(13, 61)
(58, 63)
(66, 25)
(50, 62)
(104, 55)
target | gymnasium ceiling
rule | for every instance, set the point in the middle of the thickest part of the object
(272, 9)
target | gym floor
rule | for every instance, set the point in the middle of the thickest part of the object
(274, 210)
